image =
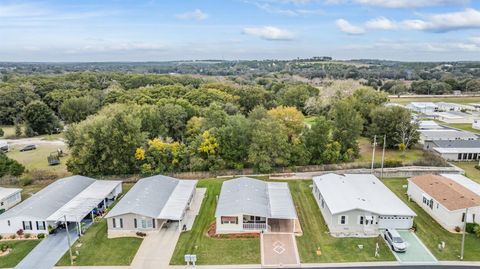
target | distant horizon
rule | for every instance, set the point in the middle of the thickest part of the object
(168, 30)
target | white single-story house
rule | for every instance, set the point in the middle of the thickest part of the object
(455, 150)
(249, 205)
(422, 107)
(429, 125)
(152, 202)
(445, 134)
(476, 124)
(446, 197)
(358, 205)
(445, 106)
(72, 199)
(9, 197)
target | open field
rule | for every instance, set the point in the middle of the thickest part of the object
(214, 250)
(458, 100)
(411, 155)
(20, 249)
(432, 234)
(315, 234)
(462, 126)
(37, 159)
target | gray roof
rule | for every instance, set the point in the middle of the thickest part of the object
(447, 134)
(255, 197)
(7, 192)
(159, 197)
(51, 198)
(457, 143)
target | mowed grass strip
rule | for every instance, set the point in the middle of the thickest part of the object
(432, 234)
(96, 249)
(315, 234)
(20, 249)
(456, 100)
(214, 250)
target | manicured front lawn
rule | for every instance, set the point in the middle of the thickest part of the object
(96, 249)
(432, 234)
(214, 250)
(315, 234)
(20, 249)
(470, 170)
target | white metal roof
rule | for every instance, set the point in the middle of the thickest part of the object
(464, 181)
(343, 193)
(255, 197)
(456, 150)
(7, 192)
(178, 200)
(429, 124)
(82, 204)
(447, 134)
(158, 197)
(423, 104)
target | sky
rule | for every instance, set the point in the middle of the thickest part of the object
(164, 30)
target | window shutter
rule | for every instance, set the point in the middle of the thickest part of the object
(114, 223)
(463, 217)
(121, 223)
(36, 224)
(23, 224)
(153, 223)
(135, 223)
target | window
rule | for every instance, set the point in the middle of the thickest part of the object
(463, 217)
(323, 203)
(361, 220)
(475, 155)
(121, 223)
(470, 155)
(465, 155)
(459, 156)
(343, 220)
(229, 220)
(114, 223)
(40, 225)
(8, 222)
(27, 225)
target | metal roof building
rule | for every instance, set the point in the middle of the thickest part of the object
(158, 197)
(257, 198)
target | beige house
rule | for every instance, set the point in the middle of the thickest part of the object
(150, 204)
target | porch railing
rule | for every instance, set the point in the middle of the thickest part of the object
(254, 226)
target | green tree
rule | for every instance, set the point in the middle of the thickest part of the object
(347, 127)
(9, 166)
(233, 138)
(105, 144)
(320, 144)
(40, 119)
(269, 145)
(12, 102)
(2, 133)
(78, 108)
(296, 95)
(473, 85)
(174, 118)
(366, 99)
(394, 122)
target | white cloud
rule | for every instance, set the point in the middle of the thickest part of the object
(349, 28)
(269, 33)
(467, 19)
(197, 15)
(402, 3)
(291, 12)
(381, 23)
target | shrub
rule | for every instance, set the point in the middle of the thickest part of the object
(141, 234)
(26, 180)
(477, 167)
(40, 236)
(392, 163)
(1, 237)
(9, 166)
(13, 236)
(471, 228)
(458, 229)
(20, 232)
(27, 235)
(2, 132)
(4, 247)
(431, 159)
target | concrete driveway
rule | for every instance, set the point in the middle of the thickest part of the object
(279, 250)
(417, 252)
(48, 252)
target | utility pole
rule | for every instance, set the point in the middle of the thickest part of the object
(464, 232)
(68, 240)
(373, 153)
(383, 154)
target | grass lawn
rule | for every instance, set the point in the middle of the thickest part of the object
(457, 100)
(8, 130)
(470, 170)
(411, 155)
(37, 159)
(462, 126)
(96, 249)
(214, 250)
(315, 234)
(432, 233)
(20, 249)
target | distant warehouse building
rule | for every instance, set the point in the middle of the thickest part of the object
(455, 150)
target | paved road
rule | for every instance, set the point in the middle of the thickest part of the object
(48, 252)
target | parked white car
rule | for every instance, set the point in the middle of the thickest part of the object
(395, 241)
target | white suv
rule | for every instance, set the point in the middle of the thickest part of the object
(395, 240)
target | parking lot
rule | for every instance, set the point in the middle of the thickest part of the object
(417, 252)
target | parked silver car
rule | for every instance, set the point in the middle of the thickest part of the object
(395, 241)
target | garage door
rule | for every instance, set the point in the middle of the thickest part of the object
(396, 222)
